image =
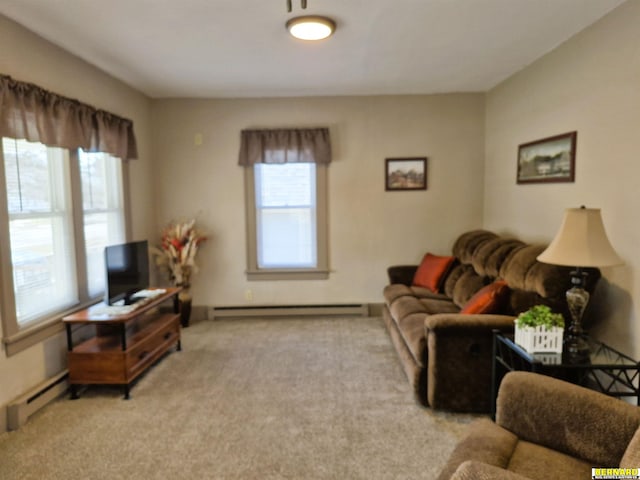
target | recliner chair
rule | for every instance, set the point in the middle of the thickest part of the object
(547, 429)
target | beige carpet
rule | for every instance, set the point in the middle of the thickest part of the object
(321, 398)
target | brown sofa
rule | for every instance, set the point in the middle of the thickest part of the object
(447, 355)
(547, 429)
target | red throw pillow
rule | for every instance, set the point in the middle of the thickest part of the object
(488, 299)
(431, 271)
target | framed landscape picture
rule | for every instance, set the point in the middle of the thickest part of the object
(405, 174)
(551, 159)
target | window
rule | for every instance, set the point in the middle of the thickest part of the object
(287, 221)
(40, 229)
(286, 201)
(103, 212)
(286, 215)
(54, 264)
(57, 207)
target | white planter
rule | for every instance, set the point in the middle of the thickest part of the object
(549, 358)
(540, 339)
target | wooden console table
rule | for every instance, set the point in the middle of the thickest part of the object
(116, 349)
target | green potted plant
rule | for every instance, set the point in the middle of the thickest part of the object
(539, 330)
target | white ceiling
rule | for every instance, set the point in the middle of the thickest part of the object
(240, 48)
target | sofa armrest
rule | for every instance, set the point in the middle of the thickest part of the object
(451, 323)
(566, 417)
(402, 274)
(471, 470)
(460, 354)
(484, 443)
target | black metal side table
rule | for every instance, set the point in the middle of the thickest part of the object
(605, 369)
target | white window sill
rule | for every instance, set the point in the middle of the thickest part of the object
(287, 274)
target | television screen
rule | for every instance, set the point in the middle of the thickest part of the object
(127, 267)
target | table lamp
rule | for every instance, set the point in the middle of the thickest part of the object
(581, 242)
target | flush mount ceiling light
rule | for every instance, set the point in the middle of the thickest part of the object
(311, 27)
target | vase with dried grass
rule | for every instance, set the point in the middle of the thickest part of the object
(176, 253)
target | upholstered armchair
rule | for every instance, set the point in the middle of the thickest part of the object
(547, 429)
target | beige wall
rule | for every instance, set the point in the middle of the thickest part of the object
(590, 84)
(27, 57)
(369, 229)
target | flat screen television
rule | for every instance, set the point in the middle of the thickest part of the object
(127, 269)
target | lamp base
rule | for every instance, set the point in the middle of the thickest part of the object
(576, 346)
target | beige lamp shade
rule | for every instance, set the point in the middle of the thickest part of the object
(581, 241)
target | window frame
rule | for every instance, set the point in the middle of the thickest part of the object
(17, 338)
(321, 271)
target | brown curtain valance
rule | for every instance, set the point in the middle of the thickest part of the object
(37, 115)
(301, 145)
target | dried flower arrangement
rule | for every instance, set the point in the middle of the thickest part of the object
(177, 252)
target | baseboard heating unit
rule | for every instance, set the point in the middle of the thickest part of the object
(20, 409)
(290, 310)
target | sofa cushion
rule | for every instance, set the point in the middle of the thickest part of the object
(404, 306)
(466, 244)
(434, 306)
(432, 271)
(489, 299)
(489, 257)
(467, 285)
(394, 291)
(471, 470)
(421, 292)
(454, 275)
(541, 463)
(521, 270)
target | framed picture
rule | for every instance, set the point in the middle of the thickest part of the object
(551, 159)
(405, 174)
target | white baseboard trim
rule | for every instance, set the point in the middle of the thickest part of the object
(20, 409)
(287, 310)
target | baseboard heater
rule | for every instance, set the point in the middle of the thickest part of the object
(290, 310)
(20, 409)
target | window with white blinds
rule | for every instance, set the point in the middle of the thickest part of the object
(40, 228)
(286, 215)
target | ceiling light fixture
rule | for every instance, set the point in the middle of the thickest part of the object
(311, 27)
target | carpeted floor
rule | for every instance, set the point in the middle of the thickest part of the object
(321, 398)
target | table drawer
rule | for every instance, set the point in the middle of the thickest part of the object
(147, 351)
